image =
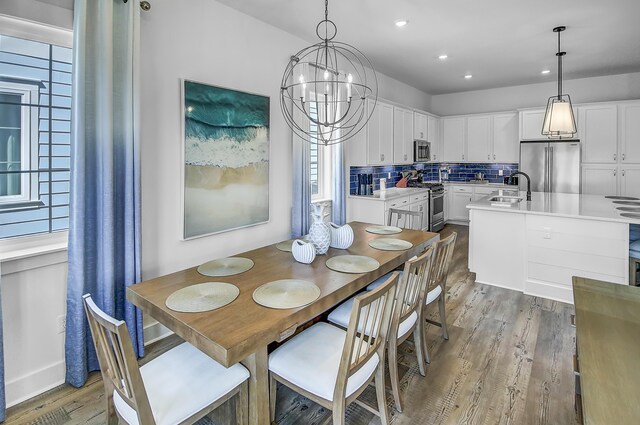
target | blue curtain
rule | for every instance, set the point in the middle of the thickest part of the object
(104, 225)
(338, 192)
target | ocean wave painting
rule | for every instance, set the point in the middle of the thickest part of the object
(226, 151)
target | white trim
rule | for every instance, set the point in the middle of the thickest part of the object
(35, 383)
(36, 31)
(21, 247)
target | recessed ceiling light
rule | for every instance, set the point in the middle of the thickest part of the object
(401, 23)
(468, 76)
(442, 57)
(545, 71)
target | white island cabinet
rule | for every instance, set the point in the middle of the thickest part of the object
(537, 247)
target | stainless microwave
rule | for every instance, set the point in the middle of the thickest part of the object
(421, 151)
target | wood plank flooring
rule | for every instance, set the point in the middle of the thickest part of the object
(508, 361)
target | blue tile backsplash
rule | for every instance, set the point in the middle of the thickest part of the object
(460, 172)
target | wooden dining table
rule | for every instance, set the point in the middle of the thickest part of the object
(242, 330)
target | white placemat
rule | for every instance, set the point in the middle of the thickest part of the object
(285, 245)
(383, 230)
(225, 266)
(202, 297)
(352, 263)
(390, 244)
(286, 293)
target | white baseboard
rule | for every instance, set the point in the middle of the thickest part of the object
(35, 383)
(548, 290)
(458, 222)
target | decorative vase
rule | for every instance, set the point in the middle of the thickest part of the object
(303, 252)
(341, 236)
(319, 232)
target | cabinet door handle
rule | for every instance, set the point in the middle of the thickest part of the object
(381, 157)
(462, 156)
(623, 157)
(494, 156)
(615, 156)
(615, 172)
(489, 156)
(405, 156)
(623, 171)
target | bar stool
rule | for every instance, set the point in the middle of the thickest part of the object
(634, 262)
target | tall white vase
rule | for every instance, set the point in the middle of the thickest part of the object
(319, 232)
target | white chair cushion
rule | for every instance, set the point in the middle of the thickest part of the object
(181, 382)
(433, 294)
(634, 249)
(310, 360)
(341, 315)
(382, 279)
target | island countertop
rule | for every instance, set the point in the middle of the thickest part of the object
(560, 205)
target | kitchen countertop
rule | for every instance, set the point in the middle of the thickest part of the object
(391, 193)
(560, 205)
(608, 339)
(498, 185)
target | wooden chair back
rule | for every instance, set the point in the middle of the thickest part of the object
(443, 252)
(412, 290)
(405, 219)
(367, 331)
(118, 362)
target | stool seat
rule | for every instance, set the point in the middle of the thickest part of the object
(634, 250)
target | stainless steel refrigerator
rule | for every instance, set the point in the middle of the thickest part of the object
(554, 166)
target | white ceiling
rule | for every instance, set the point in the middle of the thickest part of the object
(501, 42)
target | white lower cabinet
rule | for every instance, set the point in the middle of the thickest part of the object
(540, 254)
(609, 179)
(459, 197)
(599, 179)
(630, 180)
(376, 210)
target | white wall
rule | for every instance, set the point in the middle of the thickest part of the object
(205, 41)
(38, 11)
(583, 90)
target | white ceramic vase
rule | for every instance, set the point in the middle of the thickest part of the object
(319, 232)
(303, 252)
(341, 236)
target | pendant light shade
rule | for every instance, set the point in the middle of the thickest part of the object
(326, 87)
(559, 120)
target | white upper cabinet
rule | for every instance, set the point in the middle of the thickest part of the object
(531, 124)
(420, 126)
(380, 134)
(402, 136)
(479, 138)
(599, 133)
(506, 146)
(433, 136)
(630, 133)
(453, 139)
(599, 179)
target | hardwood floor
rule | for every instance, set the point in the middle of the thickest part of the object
(508, 361)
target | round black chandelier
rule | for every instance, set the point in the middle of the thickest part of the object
(325, 88)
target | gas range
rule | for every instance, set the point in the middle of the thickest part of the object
(433, 186)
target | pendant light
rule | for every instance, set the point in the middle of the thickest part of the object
(558, 118)
(326, 87)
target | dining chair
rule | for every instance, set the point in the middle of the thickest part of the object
(180, 386)
(442, 255)
(406, 319)
(332, 366)
(405, 219)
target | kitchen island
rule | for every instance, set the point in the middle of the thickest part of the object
(537, 246)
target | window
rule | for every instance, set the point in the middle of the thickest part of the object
(35, 128)
(320, 165)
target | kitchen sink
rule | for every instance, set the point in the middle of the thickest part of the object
(505, 200)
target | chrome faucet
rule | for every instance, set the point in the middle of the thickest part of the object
(528, 182)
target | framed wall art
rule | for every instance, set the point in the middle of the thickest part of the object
(226, 159)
